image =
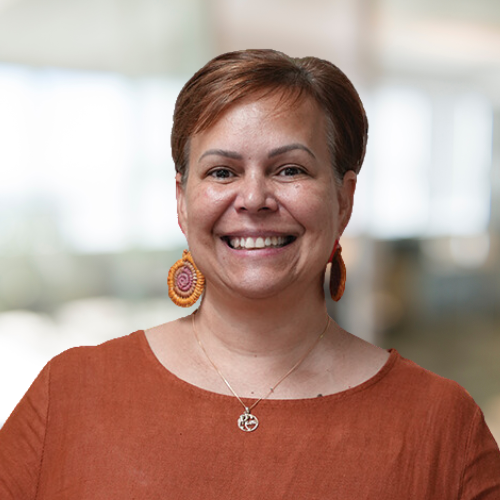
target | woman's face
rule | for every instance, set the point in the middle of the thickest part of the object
(261, 208)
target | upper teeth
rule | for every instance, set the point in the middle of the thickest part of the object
(260, 242)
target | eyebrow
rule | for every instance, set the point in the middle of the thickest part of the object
(289, 147)
(274, 152)
(221, 152)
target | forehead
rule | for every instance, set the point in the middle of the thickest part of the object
(269, 118)
(283, 97)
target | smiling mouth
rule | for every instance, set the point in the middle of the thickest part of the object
(252, 243)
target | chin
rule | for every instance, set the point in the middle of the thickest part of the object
(259, 288)
(258, 293)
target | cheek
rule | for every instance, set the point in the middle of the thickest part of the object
(315, 209)
(207, 205)
(321, 218)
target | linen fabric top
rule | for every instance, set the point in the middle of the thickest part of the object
(110, 422)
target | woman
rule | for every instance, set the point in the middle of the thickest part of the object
(259, 394)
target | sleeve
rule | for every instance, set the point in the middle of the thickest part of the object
(22, 442)
(481, 474)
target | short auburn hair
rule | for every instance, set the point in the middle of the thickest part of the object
(234, 76)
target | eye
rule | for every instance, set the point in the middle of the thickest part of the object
(221, 173)
(291, 171)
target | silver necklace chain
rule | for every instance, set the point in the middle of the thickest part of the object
(247, 421)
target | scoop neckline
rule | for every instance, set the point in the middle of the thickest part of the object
(199, 391)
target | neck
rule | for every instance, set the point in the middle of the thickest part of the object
(264, 327)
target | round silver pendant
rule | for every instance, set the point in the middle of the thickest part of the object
(248, 422)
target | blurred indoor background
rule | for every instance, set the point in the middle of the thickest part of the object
(88, 226)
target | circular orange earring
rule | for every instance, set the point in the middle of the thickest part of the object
(185, 281)
(337, 273)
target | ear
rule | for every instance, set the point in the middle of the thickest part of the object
(181, 203)
(346, 199)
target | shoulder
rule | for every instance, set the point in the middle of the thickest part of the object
(417, 377)
(99, 361)
(90, 380)
(418, 388)
(118, 347)
(434, 413)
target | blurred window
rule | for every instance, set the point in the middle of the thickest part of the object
(428, 165)
(85, 162)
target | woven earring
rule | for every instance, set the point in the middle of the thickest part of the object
(337, 273)
(185, 281)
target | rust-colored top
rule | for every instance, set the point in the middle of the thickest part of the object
(110, 422)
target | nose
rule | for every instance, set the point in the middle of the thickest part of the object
(256, 195)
